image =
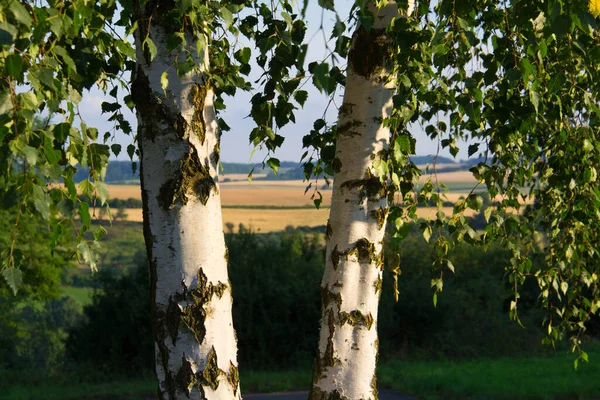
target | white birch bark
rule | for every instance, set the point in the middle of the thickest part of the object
(196, 349)
(348, 344)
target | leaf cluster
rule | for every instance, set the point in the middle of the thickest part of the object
(518, 81)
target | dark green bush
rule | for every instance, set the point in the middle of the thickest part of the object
(275, 279)
(276, 304)
(471, 317)
(34, 320)
(32, 338)
(276, 307)
(116, 334)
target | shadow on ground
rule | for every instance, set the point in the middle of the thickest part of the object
(383, 395)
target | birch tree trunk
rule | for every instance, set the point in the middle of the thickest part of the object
(351, 286)
(196, 349)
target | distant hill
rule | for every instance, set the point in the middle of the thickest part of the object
(123, 172)
(240, 168)
(473, 161)
(422, 160)
(117, 171)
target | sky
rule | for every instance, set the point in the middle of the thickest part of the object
(235, 146)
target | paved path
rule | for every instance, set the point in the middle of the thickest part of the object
(383, 395)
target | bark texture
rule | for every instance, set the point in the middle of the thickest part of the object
(196, 349)
(351, 286)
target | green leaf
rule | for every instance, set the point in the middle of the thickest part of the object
(28, 100)
(14, 65)
(487, 213)
(274, 164)
(320, 73)
(435, 300)
(31, 155)
(107, 107)
(14, 278)
(450, 266)
(115, 148)
(243, 55)
(473, 148)
(74, 95)
(475, 201)
(590, 175)
(84, 214)
(41, 202)
(227, 16)
(100, 232)
(20, 13)
(584, 356)
(164, 81)
(70, 184)
(402, 147)
(151, 47)
(86, 188)
(66, 208)
(427, 232)
(129, 102)
(185, 67)
(327, 4)
(130, 151)
(102, 192)
(132, 29)
(463, 24)
(381, 168)
(300, 96)
(66, 58)
(535, 100)
(5, 102)
(174, 41)
(8, 33)
(317, 199)
(52, 155)
(89, 256)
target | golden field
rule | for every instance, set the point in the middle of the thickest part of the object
(249, 203)
(269, 220)
(285, 193)
(257, 193)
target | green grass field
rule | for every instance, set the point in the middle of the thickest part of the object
(132, 389)
(543, 378)
(520, 378)
(81, 295)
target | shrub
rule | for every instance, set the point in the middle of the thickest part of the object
(116, 334)
(276, 305)
(471, 317)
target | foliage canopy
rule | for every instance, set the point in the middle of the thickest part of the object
(519, 80)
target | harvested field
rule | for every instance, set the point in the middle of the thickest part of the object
(269, 195)
(260, 220)
(266, 220)
(289, 193)
(124, 192)
(297, 183)
(260, 193)
(248, 203)
(451, 177)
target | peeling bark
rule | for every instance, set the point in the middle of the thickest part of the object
(196, 349)
(348, 345)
